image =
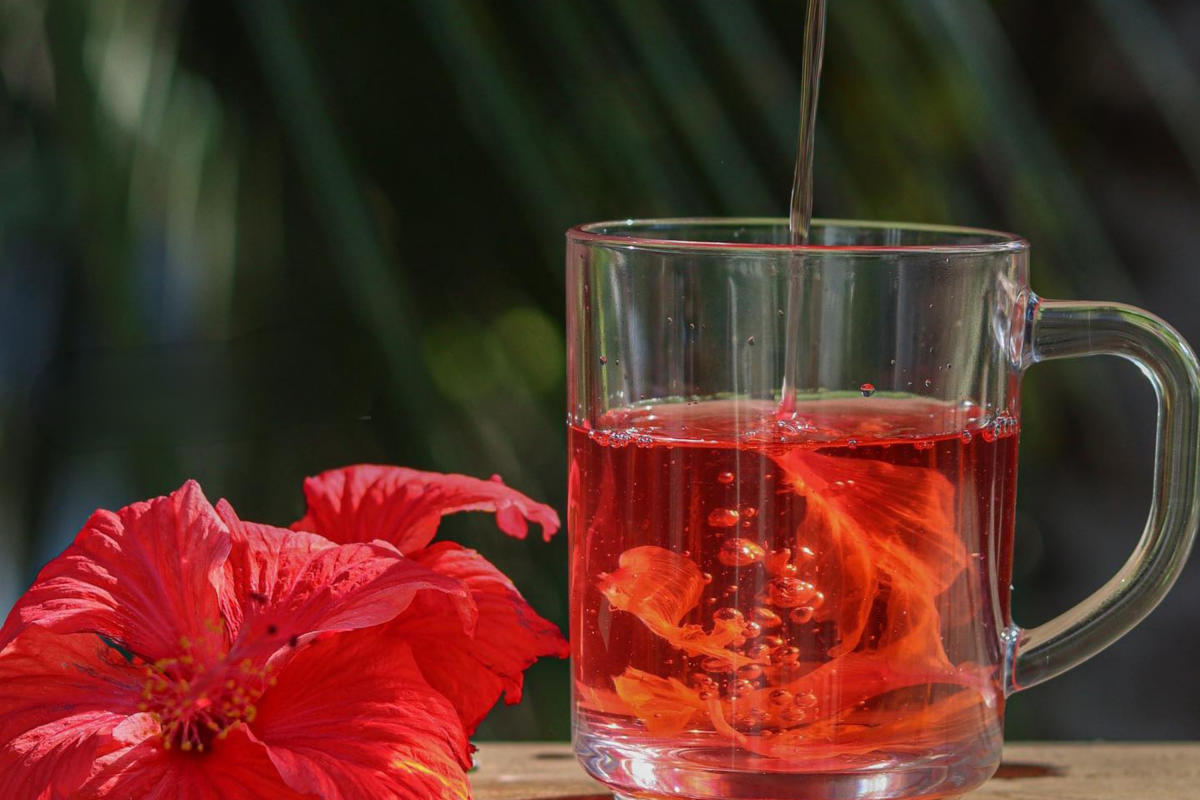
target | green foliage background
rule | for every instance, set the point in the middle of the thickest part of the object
(247, 240)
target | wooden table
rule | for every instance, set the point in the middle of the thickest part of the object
(1053, 771)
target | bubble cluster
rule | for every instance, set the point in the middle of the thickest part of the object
(1002, 425)
(765, 615)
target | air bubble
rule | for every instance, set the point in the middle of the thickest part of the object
(725, 478)
(867, 389)
(741, 687)
(804, 700)
(790, 592)
(771, 642)
(801, 615)
(715, 664)
(728, 616)
(748, 512)
(966, 437)
(707, 577)
(739, 552)
(765, 617)
(749, 672)
(603, 360)
(793, 716)
(780, 698)
(806, 553)
(723, 517)
(752, 630)
(750, 341)
(785, 655)
(759, 651)
(779, 564)
(928, 383)
(751, 720)
(703, 682)
(852, 443)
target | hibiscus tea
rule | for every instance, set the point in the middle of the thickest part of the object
(789, 607)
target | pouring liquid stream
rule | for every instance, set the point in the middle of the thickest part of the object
(801, 286)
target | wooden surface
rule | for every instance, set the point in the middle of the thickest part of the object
(1058, 771)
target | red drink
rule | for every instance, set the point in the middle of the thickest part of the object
(774, 597)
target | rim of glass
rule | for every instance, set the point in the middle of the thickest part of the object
(985, 239)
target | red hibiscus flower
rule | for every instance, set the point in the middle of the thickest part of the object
(403, 506)
(175, 651)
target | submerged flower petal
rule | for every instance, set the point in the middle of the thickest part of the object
(284, 587)
(472, 669)
(666, 705)
(351, 720)
(660, 587)
(404, 506)
(146, 576)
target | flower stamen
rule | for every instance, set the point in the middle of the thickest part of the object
(197, 703)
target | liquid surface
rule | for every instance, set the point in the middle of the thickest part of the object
(818, 592)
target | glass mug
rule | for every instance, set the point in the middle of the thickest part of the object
(792, 480)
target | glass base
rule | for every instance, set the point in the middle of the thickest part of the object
(644, 771)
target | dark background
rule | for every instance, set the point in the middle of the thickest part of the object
(248, 241)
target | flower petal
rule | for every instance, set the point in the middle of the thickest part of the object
(145, 576)
(238, 768)
(61, 699)
(404, 506)
(351, 718)
(473, 669)
(284, 587)
(660, 587)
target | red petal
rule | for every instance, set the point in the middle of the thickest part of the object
(472, 670)
(404, 506)
(896, 526)
(237, 768)
(61, 697)
(660, 587)
(145, 576)
(909, 508)
(665, 705)
(351, 717)
(284, 587)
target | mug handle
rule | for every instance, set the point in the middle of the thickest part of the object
(1064, 329)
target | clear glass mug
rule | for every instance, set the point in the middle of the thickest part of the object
(803, 592)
